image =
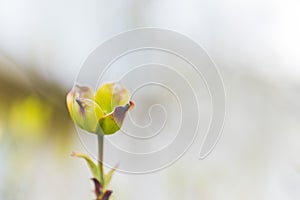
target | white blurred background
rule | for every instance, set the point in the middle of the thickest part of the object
(256, 46)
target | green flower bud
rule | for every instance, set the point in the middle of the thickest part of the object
(103, 112)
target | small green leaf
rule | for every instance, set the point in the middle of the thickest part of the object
(109, 176)
(93, 167)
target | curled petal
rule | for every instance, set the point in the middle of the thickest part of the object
(120, 112)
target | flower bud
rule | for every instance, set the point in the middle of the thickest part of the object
(102, 113)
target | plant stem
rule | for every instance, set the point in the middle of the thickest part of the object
(100, 155)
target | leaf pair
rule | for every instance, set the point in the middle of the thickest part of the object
(100, 180)
(100, 193)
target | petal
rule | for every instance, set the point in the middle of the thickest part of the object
(86, 114)
(78, 92)
(84, 111)
(120, 112)
(111, 95)
(108, 125)
(70, 99)
(84, 92)
(112, 122)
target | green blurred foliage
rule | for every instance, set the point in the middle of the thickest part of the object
(28, 118)
(34, 122)
(33, 111)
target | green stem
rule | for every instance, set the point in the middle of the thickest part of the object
(100, 159)
(100, 155)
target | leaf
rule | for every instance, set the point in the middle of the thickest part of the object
(106, 195)
(93, 167)
(98, 187)
(111, 95)
(109, 175)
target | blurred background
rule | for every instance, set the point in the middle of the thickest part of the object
(256, 46)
